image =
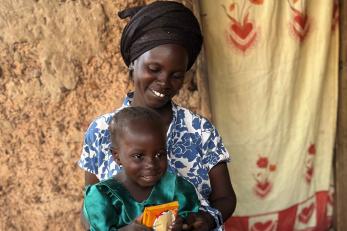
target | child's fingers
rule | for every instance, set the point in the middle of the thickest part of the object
(139, 218)
(141, 227)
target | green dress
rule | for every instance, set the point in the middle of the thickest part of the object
(108, 205)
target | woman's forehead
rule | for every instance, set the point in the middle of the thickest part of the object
(173, 53)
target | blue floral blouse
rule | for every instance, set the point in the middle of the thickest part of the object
(194, 147)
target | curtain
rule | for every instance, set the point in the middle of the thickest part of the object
(273, 78)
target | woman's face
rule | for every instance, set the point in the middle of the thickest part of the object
(158, 75)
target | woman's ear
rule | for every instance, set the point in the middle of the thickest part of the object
(131, 71)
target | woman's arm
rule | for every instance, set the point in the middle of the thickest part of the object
(222, 196)
(90, 178)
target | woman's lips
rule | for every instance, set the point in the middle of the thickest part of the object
(158, 94)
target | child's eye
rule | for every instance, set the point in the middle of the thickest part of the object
(138, 156)
(160, 155)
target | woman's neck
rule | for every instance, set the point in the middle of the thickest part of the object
(165, 112)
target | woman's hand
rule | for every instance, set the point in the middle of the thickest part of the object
(177, 224)
(201, 221)
(135, 226)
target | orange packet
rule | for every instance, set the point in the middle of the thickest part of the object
(160, 217)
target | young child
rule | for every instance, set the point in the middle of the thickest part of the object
(139, 145)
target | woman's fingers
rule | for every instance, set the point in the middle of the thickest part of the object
(177, 224)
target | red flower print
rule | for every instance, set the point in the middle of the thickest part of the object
(311, 152)
(257, 2)
(262, 176)
(300, 23)
(263, 188)
(312, 149)
(309, 174)
(232, 6)
(306, 214)
(272, 167)
(262, 162)
(242, 33)
(264, 226)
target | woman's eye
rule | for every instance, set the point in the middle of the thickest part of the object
(178, 76)
(153, 69)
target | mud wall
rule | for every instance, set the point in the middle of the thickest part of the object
(60, 67)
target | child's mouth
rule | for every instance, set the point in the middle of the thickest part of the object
(150, 178)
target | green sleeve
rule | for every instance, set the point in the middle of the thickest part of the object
(98, 210)
(187, 198)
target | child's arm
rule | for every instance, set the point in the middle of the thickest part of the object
(101, 214)
(186, 196)
(98, 210)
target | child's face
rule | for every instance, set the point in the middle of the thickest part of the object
(142, 152)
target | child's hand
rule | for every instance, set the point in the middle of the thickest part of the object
(201, 221)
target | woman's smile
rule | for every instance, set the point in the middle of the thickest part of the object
(156, 93)
(159, 75)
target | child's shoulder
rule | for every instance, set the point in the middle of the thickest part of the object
(180, 180)
(104, 186)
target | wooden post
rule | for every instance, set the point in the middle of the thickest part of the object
(341, 136)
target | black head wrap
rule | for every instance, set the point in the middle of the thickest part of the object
(159, 23)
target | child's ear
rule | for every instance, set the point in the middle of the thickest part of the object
(115, 154)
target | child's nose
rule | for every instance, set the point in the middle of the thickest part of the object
(150, 163)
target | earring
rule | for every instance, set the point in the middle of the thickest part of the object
(131, 67)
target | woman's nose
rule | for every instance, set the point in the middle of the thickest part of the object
(163, 79)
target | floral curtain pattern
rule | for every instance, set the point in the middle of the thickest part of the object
(273, 75)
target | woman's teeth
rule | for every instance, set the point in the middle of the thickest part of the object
(158, 94)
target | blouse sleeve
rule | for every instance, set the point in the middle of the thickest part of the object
(89, 156)
(212, 145)
(98, 210)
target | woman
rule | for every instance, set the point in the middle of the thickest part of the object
(159, 44)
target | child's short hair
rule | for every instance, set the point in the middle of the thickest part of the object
(130, 115)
